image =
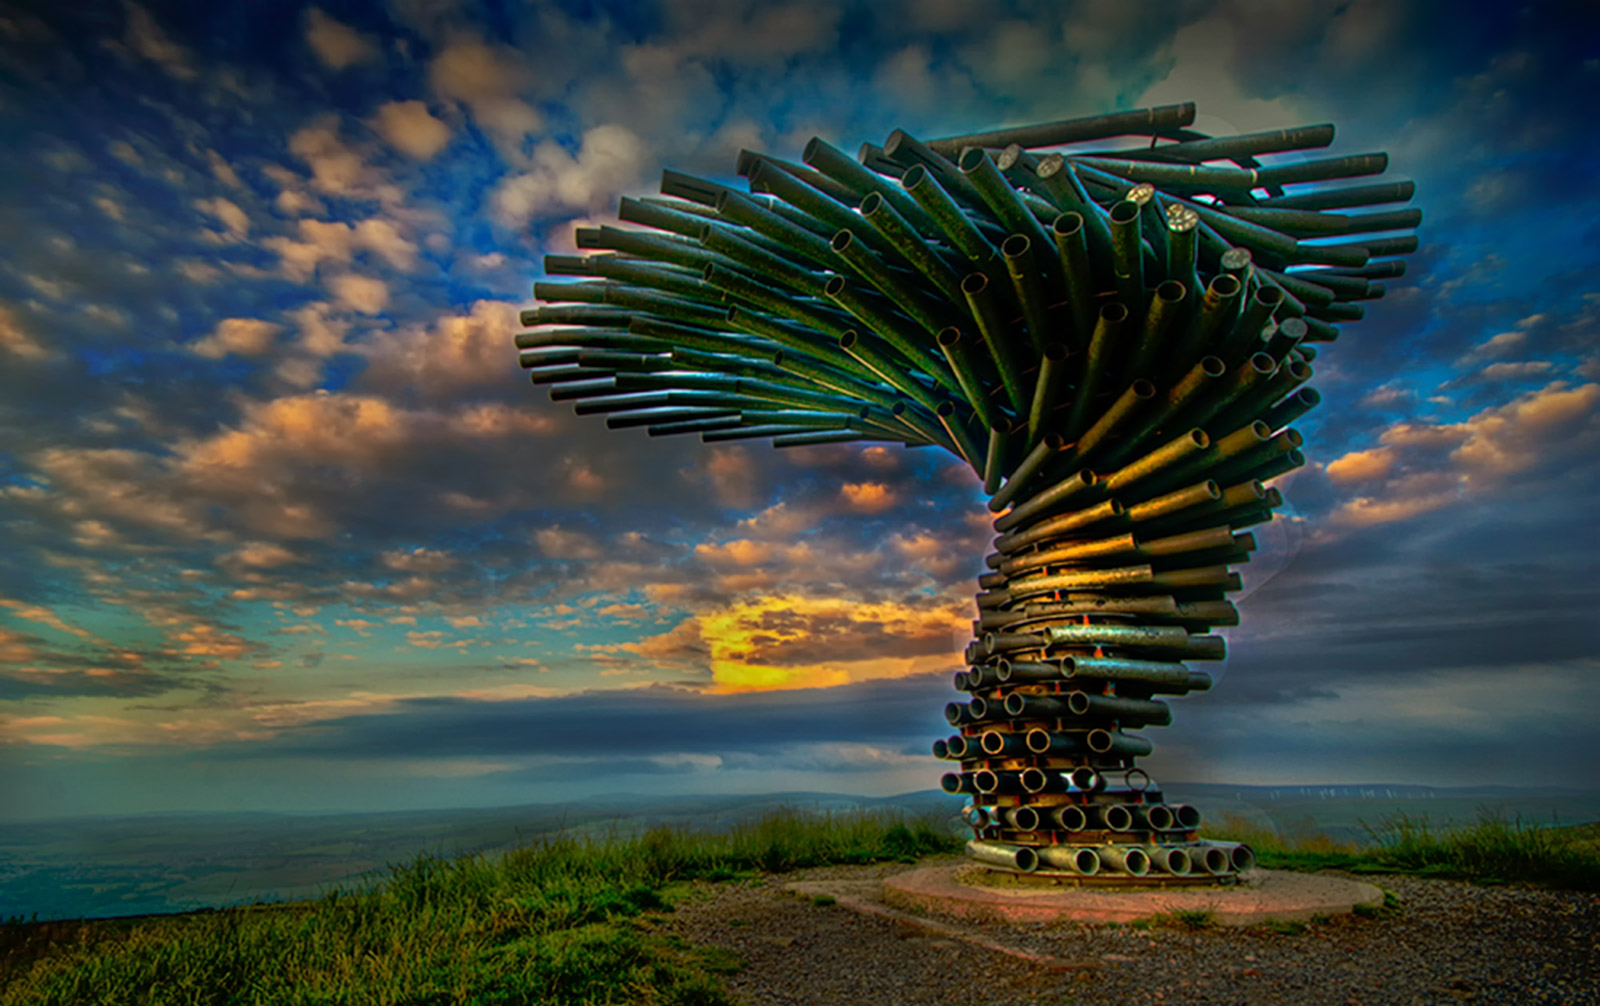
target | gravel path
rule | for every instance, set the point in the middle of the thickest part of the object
(1449, 942)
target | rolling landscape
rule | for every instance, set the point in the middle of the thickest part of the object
(101, 867)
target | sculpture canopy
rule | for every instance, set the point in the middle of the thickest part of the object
(1114, 338)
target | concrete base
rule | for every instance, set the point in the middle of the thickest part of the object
(1255, 896)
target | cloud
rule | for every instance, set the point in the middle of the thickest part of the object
(1421, 467)
(452, 352)
(17, 343)
(336, 44)
(238, 336)
(232, 217)
(610, 160)
(360, 293)
(411, 129)
(488, 79)
(145, 37)
(335, 241)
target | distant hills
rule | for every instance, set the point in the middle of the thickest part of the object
(140, 864)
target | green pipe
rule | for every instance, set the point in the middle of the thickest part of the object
(728, 242)
(1246, 337)
(957, 227)
(980, 301)
(1046, 390)
(907, 150)
(839, 166)
(1323, 169)
(1245, 144)
(1393, 220)
(1014, 215)
(1060, 176)
(1285, 337)
(1127, 250)
(994, 459)
(583, 389)
(1108, 332)
(1182, 222)
(809, 200)
(746, 433)
(881, 214)
(885, 370)
(677, 251)
(709, 425)
(1289, 376)
(918, 306)
(1294, 223)
(796, 417)
(1165, 456)
(1200, 382)
(1214, 462)
(1168, 309)
(906, 341)
(956, 427)
(749, 163)
(1072, 249)
(1105, 510)
(1063, 491)
(1048, 445)
(1311, 294)
(596, 338)
(1215, 318)
(1345, 198)
(1215, 412)
(1021, 266)
(1320, 331)
(775, 302)
(1236, 180)
(1127, 711)
(1338, 311)
(795, 339)
(1291, 408)
(1139, 121)
(844, 382)
(799, 241)
(1247, 463)
(958, 351)
(591, 316)
(1110, 421)
(627, 418)
(1179, 502)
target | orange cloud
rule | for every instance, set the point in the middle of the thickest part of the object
(868, 497)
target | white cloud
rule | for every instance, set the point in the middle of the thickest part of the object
(336, 44)
(608, 162)
(411, 129)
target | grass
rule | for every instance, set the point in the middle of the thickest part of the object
(1493, 851)
(562, 921)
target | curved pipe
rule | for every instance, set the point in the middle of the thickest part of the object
(1081, 860)
(1012, 857)
(1129, 859)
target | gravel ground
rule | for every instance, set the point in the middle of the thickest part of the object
(1448, 942)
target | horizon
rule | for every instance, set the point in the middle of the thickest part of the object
(283, 527)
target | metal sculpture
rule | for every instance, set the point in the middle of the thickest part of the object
(1115, 341)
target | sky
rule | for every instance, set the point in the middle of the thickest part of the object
(284, 528)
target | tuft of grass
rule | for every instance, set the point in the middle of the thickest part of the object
(1188, 918)
(824, 900)
(561, 921)
(1284, 927)
(1493, 851)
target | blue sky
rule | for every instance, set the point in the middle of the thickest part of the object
(282, 525)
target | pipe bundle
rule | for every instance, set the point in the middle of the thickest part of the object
(1115, 340)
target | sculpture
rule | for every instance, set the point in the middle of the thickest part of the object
(1115, 341)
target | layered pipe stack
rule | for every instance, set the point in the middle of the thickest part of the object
(1111, 319)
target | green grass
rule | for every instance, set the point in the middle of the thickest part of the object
(1493, 851)
(1188, 919)
(562, 921)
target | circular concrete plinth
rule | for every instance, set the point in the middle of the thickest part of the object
(1254, 896)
